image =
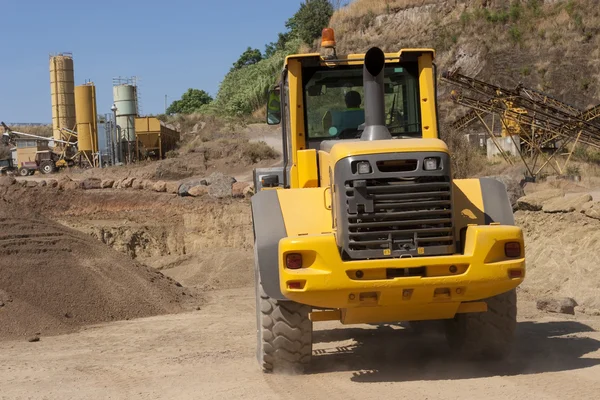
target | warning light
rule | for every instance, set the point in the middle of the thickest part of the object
(328, 38)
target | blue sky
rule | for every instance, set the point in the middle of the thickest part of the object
(171, 45)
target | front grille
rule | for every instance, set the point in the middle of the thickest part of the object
(397, 214)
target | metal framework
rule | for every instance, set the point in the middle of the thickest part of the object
(546, 127)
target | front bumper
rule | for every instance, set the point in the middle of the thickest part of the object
(439, 283)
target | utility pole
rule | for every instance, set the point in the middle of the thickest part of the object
(165, 103)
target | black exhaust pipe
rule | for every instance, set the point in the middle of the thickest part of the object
(375, 128)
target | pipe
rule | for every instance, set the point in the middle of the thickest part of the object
(373, 73)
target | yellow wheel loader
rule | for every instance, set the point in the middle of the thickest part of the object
(364, 223)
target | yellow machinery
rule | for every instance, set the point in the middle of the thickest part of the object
(154, 139)
(364, 224)
(87, 122)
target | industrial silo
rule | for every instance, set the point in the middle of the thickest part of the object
(62, 85)
(87, 120)
(125, 100)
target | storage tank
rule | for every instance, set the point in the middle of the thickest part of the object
(125, 98)
(62, 90)
(87, 119)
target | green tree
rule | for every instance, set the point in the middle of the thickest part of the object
(190, 101)
(248, 57)
(310, 19)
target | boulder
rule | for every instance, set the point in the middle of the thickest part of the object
(197, 191)
(107, 184)
(70, 185)
(566, 204)
(173, 187)
(7, 180)
(249, 191)
(137, 184)
(220, 185)
(52, 183)
(562, 305)
(591, 209)
(148, 185)
(238, 188)
(42, 183)
(31, 184)
(160, 186)
(185, 187)
(535, 201)
(126, 183)
(91, 183)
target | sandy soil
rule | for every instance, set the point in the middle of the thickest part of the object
(209, 354)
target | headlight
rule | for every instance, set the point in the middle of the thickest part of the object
(430, 164)
(364, 167)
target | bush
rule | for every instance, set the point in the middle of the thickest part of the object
(466, 160)
(257, 151)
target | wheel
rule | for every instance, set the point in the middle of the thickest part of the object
(488, 334)
(47, 166)
(284, 334)
(23, 171)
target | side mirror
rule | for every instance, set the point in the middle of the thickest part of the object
(274, 107)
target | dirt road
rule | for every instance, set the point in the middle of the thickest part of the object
(209, 354)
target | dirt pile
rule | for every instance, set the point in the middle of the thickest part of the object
(54, 279)
(563, 257)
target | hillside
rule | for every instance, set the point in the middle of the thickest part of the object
(549, 45)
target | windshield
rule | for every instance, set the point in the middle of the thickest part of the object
(335, 103)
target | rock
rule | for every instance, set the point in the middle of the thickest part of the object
(33, 339)
(249, 191)
(148, 185)
(196, 191)
(31, 184)
(7, 180)
(42, 183)
(126, 183)
(514, 186)
(137, 184)
(535, 201)
(173, 187)
(238, 188)
(107, 184)
(185, 187)
(591, 209)
(566, 204)
(220, 185)
(562, 305)
(52, 183)
(160, 186)
(72, 185)
(22, 183)
(91, 183)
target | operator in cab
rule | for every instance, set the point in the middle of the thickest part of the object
(336, 122)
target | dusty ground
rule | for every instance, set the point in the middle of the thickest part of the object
(209, 354)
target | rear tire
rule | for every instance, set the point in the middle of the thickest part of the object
(47, 167)
(23, 171)
(488, 334)
(284, 334)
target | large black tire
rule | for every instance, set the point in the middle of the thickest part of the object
(284, 334)
(47, 167)
(23, 171)
(487, 335)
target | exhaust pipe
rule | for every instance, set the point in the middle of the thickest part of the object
(375, 128)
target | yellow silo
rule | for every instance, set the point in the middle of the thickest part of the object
(87, 121)
(62, 84)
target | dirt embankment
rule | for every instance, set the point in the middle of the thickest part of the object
(54, 279)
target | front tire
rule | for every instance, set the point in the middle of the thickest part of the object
(488, 334)
(284, 334)
(47, 167)
(23, 172)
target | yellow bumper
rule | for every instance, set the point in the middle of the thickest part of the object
(401, 289)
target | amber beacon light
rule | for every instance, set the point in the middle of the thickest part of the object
(328, 38)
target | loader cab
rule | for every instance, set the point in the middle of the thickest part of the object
(311, 103)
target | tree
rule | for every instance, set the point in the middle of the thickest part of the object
(310, 19)
(190, 101)
(248, 57)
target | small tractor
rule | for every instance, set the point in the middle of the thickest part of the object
(364, 222)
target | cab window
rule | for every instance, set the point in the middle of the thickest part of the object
(334, 101)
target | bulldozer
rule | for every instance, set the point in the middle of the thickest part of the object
(364, 222)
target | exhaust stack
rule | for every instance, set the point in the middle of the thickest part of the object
(375, 128)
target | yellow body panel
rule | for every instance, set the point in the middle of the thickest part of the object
(296, 116)
(358, 148)
(357, 59)
(308, 174)
(297, 222)
(328, 281)
(324, 168)
(427, 89)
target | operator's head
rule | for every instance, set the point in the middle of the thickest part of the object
(353, 99)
